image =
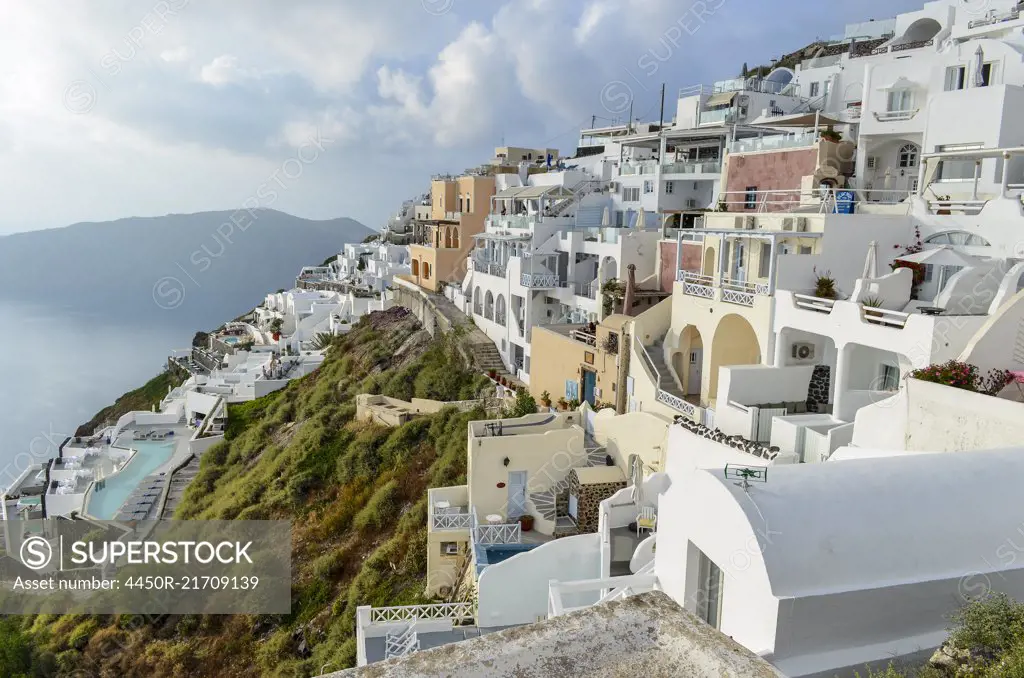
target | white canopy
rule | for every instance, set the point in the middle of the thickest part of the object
(944, 255)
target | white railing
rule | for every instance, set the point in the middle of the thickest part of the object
(742, 292)
(697, 285)
(582, 189)
(401, 644)
(620, 587)
(588, 290)
(893, 116)
(520, 221)
(692, 167)
(539, 280)
(738, 297)
(812, 303)
(883, 316)
(507, 533)
(959, 206)
(1012, 15)
(774, 142)
(639, 167)
(452, 521)
(713, 117)
(671, 400)
(409, 613)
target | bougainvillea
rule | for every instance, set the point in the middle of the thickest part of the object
(964, 375)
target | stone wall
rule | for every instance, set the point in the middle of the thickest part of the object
(818, 389)
(590, 497)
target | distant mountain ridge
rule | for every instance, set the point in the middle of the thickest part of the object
(195, 268)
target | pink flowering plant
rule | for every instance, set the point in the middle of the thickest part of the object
(964, 375)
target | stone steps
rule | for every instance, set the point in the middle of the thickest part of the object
(544, 502)
(665, 380)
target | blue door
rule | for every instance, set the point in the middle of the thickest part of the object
(589, 384)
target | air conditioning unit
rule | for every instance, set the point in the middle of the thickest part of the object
(803, 351)
(691, 203)
(787, 223)
(451, 549)
(750, 223)
(737, 222)
(801, 224)
(613, 186)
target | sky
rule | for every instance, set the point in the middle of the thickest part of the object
(329, 108)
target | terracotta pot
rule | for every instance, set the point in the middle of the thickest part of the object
(526, 523)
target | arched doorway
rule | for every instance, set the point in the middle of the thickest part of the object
(735, 343)
(500, 311)
(455, 237)
(448, 237)
(478, 302)
(688, 361)
(708, 268)
(415, 267)
(489, 306)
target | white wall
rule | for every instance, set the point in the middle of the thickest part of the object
(759, 384)
(516, 591)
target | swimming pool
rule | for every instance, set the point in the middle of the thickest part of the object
(104, 503)
(230, 340)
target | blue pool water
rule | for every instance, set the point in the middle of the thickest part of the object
(230, 340)
(104, 503)
(491, 554)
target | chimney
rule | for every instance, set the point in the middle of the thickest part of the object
(627, 301)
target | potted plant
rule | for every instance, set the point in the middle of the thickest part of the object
(493, 374)
(831, 135)
(562, 404)
(825, 286)
(574, 404)
(526, 522)
(871, 314)
(275, 328)
(545, 399)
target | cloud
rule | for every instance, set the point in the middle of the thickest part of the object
(225, 70)
(122, 112)
(176, 55)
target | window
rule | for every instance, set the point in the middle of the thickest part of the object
(986, 75)
(927, 273)
(900, 100)
(648, 186)
(908, 155)
(815, 88)
(572, 390)
(889, 378)
(588, 357)
(670, 187)
(618, 220)
(468, 208)
(449, 548)
(805, 249)
(631, 194)
(765, 260)
(955, 78)
(750, 199)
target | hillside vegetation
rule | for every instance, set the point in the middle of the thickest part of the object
(141, 399)
(356, 494)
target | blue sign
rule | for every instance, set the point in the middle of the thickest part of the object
(844, 202)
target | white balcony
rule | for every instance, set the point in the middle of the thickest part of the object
(774, 142)
(697, 285)
(692, 167)
(895, 116)
(539, 281)
(635, 168)
(724, 115)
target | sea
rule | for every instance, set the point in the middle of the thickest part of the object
(58, 367)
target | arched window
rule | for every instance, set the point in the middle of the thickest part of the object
(415, 266)
(447, 237)
(957, 238)
(489, 306)
(455, 238)
(426, 270)
(478, 302)
(500, 311)
(908, 155)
